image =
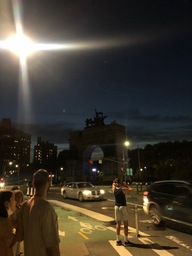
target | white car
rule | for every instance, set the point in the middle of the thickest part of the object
(2, 183)
(82, 191)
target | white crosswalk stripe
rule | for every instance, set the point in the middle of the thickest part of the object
(158, 251)
(120, 249)
(132, 231)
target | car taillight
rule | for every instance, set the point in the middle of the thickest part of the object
(145, 193)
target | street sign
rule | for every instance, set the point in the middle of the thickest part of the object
(130, 171)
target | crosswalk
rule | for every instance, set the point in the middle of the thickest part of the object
(120, 249)
(144, 242)
(103, 239)
(158, 251)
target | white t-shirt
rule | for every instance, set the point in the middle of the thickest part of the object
(37, 226)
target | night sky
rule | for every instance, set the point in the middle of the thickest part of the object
(134, 64)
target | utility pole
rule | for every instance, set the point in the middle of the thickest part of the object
(124, 167)
(126, 163)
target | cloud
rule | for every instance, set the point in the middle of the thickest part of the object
(145, 129)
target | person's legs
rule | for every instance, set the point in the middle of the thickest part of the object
(125, 222)
(118, 229)
(118, 225)
(124, 214)
(126, 241)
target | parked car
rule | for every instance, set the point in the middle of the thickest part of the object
(169, 200)
(82, 191)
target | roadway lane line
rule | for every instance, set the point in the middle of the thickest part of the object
(107, 208)
(158, 251)
(131, 231)
(179, 242)
(120, 249)
(61, 233)
(143, 240)
(129, 235)
(84, 236)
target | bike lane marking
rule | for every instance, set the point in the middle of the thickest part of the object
(91, 230)
(87, 230)
(73, 222)
(61, 233)
(84, 236)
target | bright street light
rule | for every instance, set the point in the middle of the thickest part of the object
(125, 159)
(21, 45)
(126, 143)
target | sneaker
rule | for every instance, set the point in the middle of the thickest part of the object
(118, 243)
(128, 243)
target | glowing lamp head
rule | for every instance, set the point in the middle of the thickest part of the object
(126, 143)
(20, 45)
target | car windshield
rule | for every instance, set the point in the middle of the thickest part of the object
(85, 185)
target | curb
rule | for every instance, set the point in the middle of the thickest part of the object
(91, 214)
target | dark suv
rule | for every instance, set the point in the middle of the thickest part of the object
(169, 200)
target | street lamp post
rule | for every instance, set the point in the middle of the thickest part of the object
(61, 175)
(4, 171)
(125, 160)
(18, 173)
(18, 170)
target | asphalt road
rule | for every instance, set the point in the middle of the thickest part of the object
(83, 234)
(148, 240)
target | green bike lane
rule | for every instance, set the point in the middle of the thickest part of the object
(78, 233)
(82, 235)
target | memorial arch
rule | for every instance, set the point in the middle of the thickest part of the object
(98, 149)
(92, 160)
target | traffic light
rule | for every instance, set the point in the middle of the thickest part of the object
(122, 169)
(90, 161)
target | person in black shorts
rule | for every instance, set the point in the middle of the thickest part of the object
(121, 213)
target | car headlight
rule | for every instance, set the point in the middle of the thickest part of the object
(87, 192)
(2, 185)
(102, 191)
(145, 200)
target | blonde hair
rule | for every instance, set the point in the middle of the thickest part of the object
(19, 198)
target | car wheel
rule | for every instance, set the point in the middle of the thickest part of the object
(80, 196)
(64, 195)
(155, 216)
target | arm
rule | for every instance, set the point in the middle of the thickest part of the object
(50, 232)
(13, 241)
(19, 230)
(126, 190)
(113, 187)
(9, 235)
